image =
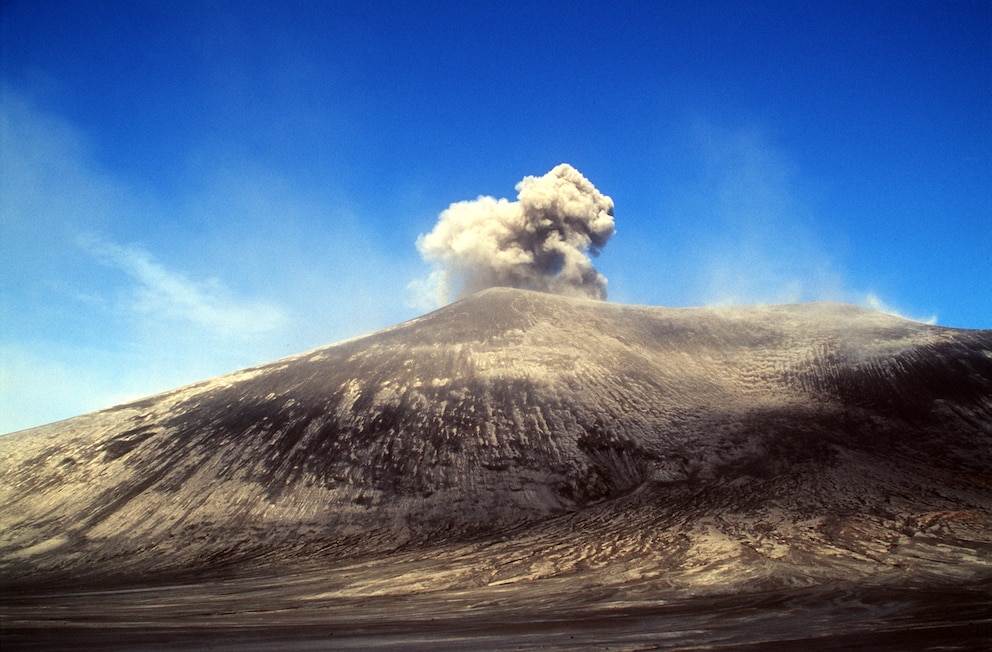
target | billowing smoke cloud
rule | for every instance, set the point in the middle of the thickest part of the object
(541, 242)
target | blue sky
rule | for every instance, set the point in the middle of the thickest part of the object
(190, 188)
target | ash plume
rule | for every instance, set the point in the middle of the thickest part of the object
(542, 241)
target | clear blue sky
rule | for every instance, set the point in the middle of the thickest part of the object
(189, 188)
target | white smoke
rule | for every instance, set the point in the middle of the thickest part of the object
(541, 242)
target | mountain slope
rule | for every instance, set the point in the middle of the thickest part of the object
(517, 435)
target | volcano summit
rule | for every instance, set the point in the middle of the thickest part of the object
(519, 468)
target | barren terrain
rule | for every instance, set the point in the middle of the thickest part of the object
(519, 470)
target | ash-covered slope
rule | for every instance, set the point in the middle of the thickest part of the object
(519, 434)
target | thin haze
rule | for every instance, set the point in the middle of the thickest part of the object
(189, 188)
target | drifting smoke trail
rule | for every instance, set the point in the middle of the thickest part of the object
(541, 242)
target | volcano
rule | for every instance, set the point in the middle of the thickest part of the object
(520, 469)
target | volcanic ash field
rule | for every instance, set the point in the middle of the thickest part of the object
(523, 470)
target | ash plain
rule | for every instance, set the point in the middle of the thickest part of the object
(523, 471)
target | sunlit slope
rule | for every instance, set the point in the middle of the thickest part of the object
(567, 435)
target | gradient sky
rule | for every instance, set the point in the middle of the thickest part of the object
(190, 188)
